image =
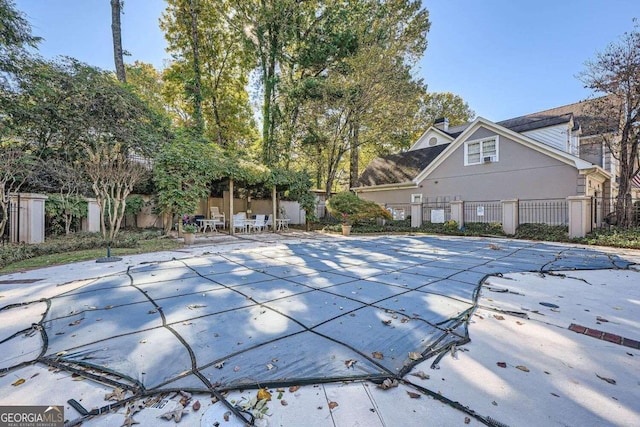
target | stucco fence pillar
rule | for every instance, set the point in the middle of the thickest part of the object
(457, 212)
(510, 216)
(579, 216)
(92, 222)
(416, 215)
(29, 219)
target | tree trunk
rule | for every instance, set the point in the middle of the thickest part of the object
(116, 31)
(197, 84)
(354, 155)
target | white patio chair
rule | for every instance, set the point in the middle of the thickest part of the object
(240, 222)
(259, 223)
(219, 218)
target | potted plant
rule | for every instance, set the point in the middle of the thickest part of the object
(346, 224)
(189, 233)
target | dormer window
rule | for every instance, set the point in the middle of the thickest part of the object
(481, 151)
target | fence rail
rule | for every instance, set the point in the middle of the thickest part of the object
(543, 211)
(436, 211)
(483, 211)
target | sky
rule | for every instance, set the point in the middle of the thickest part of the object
(505, 58)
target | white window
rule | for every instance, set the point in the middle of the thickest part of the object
(481, 151)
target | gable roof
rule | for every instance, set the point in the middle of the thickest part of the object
(535, 121)
(560, 155)
(399, 168)
(581, 112)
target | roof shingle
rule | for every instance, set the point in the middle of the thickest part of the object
(398, 168)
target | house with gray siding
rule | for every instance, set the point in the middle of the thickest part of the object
(541, 156)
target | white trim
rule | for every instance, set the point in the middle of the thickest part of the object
(385, 187)
(424, 135)
(507, 133)
(494, 138)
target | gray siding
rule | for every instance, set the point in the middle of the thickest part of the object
(521, 173)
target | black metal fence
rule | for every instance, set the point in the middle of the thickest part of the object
(603, 212)
(437, 210)
(399, 211)
(543, 211)
(483, 211)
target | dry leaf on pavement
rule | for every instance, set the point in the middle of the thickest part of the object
(413, 395)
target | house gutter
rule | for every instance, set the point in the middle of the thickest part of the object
(385, 187)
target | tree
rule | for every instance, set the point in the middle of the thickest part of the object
(182, 173)
(615, 73)
(219, 67)
(66, 185)
(16, 164)
(185, 14)
(15, 35)
(116, 33)
(446, 104)
(113, 176)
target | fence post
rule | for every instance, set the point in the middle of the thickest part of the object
(91, 223)
(579, 215)
(457, 212)
(416, 215)
(510, 220)
(30, 218)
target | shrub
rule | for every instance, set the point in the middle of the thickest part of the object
(350, 208)
(558, 233)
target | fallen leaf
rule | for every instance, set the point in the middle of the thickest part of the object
(522, 368)
(519, 322)
(494, 247)
(467, 420)
(601, 319)
(226, 416)
(143, 341)
(388, 383)
(219, 365)
(404, 320)
(117, 394)
(279, 395)
(194, 306)
(501, 364)
(377, 355)
(75, 322)
(263, 393)
(421, 375)
(609, 380)
(176, 414)
(386, 322)
(494, 403)
(350, 362)
(498, 317)
(413, 395)
(333, 405)
(129, 421)
(236, 368)
(18, 382)
(414, 355)
(283, 402)
(269, 366)
(553, 394)
(294, 388)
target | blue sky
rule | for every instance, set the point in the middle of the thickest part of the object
(504, 57)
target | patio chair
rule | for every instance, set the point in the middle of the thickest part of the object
(260, 223)
(268, 223)
(240, 222)
(219, 218)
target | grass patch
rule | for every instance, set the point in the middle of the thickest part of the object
(80, 247)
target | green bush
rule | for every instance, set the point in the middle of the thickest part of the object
(617, 237)
(557, 233)
(349, 208)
